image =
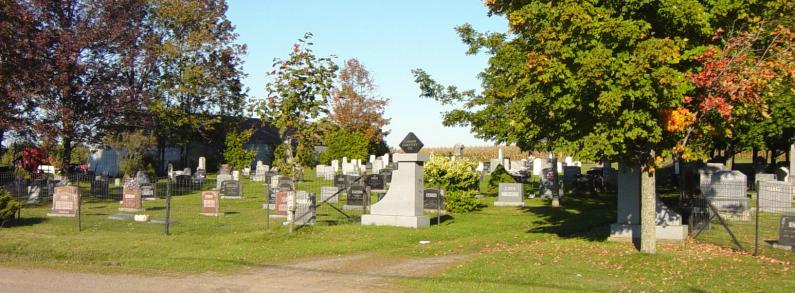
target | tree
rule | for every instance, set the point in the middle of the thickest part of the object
(16, 68)
(198, 68)
(355, 107)
(236, 153)
(78, 91)
(593, 79)
(341, 143)
(298, 94)
(132, 147)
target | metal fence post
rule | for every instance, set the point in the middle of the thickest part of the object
(756, 228)
(168, 207)
(79, 209)
(268, 206)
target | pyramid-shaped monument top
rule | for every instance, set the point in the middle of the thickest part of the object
(411, 144)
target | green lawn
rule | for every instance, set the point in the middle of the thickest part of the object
(537, 248)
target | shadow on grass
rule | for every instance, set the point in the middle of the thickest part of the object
(24, 222)
(586, 218)
(442, 219)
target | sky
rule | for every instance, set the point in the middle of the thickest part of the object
(389, 37)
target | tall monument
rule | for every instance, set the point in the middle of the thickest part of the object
(402, 206)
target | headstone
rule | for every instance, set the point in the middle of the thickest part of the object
(387, 173)
(186, 171)
(329, 194)
(549, 183)
(231, 189)
(570, 174)
(335, 164)
(782, 174)
(432, 199)
(282, 198)
(284, 183)
(538, 166)
(375, 181)
(170, 170)
(220, 178)
(201, 174)
(569, 161)
(340, 181)
(356, 197)
(726, 190)
(499, 154)
(792, 163)
(776, 196)
(235, 175)
(385, 158)
(758, 177)
(65, 202)
(305, 203)
(100, 186)
(183, 181)
(669, 222)
(141, 177)
(372, 158)
(131, 197)
(225, 170)
(202, 164)
(458, 150)
(787, 231)
(510, 194)
(246, 171)
(148, 191)
(211, 204)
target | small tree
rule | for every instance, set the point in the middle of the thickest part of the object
(132, 147)
(8, 207)
(341, 143)
(356, 108)
(236, 153)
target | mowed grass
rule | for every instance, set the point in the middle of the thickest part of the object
(536, 248)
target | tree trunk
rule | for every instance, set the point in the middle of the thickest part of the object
(67, 153)
(555, 184)
(648, 211)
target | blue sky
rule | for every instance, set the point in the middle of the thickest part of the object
(389, 37)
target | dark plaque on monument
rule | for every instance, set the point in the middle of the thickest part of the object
(786, 234)
(285, 183)
(148, 190)
(486, 166)
(231, 188)
(432, 199)
(356, 194)
(375, 181)
(411, 144)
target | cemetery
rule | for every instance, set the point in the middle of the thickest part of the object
(604, 147)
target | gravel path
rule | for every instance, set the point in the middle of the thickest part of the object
(357, 273)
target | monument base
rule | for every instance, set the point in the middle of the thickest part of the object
(776, 245)
(508, 204)
(624, 232)
(211, 214)
(397, 221)
(121, 217)
(128, 210)
(352, 208)
(231, 197)
(277, 216)
(60, 215)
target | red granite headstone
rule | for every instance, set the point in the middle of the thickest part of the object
(65, 201)
(131, 197)
(281, 202)
(210, 203)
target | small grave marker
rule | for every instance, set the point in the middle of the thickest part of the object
(433, 199)
(329, 194)
(65, 202)
(131, 199)
(375, 181)
(510, 194)
(787, 231)
(210, 203)
(230, 189)
(356, 197)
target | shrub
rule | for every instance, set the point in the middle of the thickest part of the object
(131, 147)
(341, 143)
(306, 155)
(500, 176)
(451, 175)
(461, 201)
(236, 154)
(8, 207)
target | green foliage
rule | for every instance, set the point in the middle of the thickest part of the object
(461, 201)
(589, 78)
(451, 175)
(8, 207)
(305, 153)
(282, 160)
(341, 143)
(236, 154)
(131, 147)
(499, 176)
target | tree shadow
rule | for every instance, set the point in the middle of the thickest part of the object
(585, 218)
(24, 222)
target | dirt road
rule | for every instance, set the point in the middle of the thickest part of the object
(358, 273)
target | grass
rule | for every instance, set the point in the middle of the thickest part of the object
(536, 248)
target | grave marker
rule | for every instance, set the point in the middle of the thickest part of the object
(775, 196)
(329, 194)
(356, 197)
(231, 189)
(786, 234)
(510, 194)
(131, 197)
(375, 182)
(282, 198)
(432, 199)
(211, 205)
(65, 202)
